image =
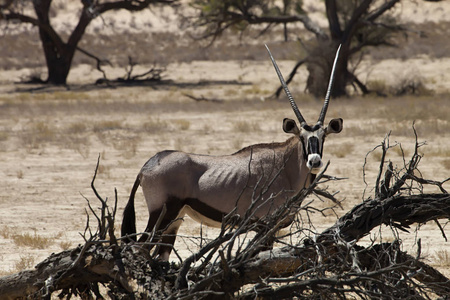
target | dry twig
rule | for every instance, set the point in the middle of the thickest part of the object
(240, 265)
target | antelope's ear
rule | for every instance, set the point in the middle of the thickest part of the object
(289, 126)
(335, 126)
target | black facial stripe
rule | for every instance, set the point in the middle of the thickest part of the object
(305, 153)
(313, 146)
(311, 129)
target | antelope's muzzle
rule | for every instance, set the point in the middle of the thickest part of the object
(314, 162)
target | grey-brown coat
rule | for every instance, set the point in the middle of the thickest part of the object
(209, 187)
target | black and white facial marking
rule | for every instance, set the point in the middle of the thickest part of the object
(312, 139)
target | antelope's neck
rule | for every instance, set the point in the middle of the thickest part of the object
(296, 168)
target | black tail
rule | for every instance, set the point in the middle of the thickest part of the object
(129, 216)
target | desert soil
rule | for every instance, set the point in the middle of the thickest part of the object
(51, 137)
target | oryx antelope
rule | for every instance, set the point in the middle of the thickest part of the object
(209, 187)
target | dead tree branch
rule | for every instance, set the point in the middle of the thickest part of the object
(99, 61)
(241, 265)
(203, 98)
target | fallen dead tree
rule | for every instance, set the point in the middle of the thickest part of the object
(240, 265)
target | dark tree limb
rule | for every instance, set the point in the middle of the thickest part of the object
(236, 265)
(352, 269)
(203, 98)
(398, 211)
(290, 77)
(99, 61)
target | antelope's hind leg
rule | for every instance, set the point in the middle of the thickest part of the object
(169, 220)
(168, 239)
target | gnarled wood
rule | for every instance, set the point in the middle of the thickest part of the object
(328, 265)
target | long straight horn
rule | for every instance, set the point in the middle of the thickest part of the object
(330, 85)
(286, 90)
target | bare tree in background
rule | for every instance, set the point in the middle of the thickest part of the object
(354, 24)
(59, 51)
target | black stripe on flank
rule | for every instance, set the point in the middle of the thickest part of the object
(205, 210)
(174, 206)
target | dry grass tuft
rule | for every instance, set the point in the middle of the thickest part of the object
(6, 232)
(107, 125)
(127, 145)
(65, 245)
(442, 258)
(34, 241)
(446, 163)
(24, 263)
(246, 126)
(155, 125)
(256, 90)
(77, 128)
(181, 124)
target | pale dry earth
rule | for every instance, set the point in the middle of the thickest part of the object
(50, 140)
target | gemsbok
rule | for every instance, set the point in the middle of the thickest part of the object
(209, 187)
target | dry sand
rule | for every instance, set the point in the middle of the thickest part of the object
(50, 141)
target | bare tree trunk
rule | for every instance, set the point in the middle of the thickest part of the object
(61, 271)
(58, 54)
(319, 67)
(58, 61)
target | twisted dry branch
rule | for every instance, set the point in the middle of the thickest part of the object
(238, 265)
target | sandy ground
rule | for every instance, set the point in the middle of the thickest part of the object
(50, 140)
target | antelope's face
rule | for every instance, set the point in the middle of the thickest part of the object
(312, 139)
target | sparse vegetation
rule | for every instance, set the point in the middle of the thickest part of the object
(446, 163)
(246, 126)
(155, 125)
(59, 53)
(378, 86)
(65, 245)
(127, 145)
(321, 261)
(38, 133)
(107, 125)
(77, 128)
(25, 262)
(401, 151)
(410, 85)
(131, 124)
(256, 90)
(442, 258)
(341, 151)
(34, 241)
(6, 232)
(181, 124)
